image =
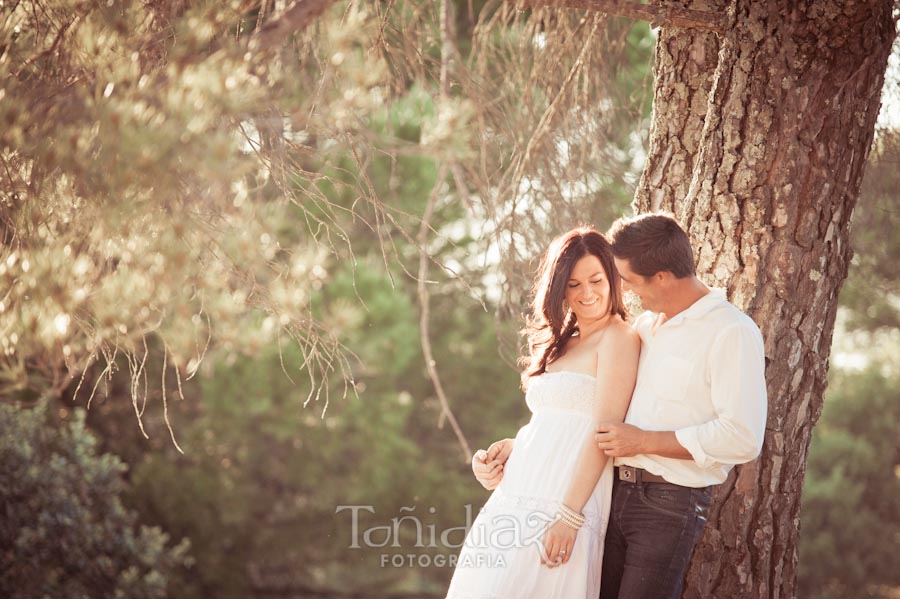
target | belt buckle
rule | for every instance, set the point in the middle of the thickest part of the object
(628, 474)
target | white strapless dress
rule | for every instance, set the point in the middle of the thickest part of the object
(501, 555)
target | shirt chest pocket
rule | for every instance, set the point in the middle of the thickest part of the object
(670, 376)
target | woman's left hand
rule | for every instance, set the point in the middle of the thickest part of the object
(557, 544)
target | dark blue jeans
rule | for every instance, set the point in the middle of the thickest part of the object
(652, 530)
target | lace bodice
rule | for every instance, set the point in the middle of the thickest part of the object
(561, 390)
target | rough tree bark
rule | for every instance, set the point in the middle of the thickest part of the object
(775, 174)
(683, 70)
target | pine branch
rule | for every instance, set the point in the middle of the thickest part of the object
(665, 16)
(294, 19)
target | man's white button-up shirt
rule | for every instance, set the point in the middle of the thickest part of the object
(702, 375)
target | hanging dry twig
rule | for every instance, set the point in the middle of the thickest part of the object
(447, 53)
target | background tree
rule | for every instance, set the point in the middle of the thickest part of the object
(143, 190)
(64, 531)
(849, 520)
(873, 284)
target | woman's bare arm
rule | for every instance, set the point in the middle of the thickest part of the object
(617, 364)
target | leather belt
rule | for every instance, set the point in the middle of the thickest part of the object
(630, 474)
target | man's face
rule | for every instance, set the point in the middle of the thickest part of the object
(648, 289)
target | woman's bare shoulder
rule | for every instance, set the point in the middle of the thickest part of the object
(620, 336)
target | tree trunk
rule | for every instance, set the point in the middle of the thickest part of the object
(776, 175)
(683, 72)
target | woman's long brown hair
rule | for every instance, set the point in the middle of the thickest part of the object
(549, 327)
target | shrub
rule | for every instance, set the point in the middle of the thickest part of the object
(64, 531)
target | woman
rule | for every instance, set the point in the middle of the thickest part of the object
(540, 535)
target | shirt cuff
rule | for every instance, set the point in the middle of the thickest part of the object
(688, 439)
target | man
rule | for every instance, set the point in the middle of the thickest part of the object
(698, 408)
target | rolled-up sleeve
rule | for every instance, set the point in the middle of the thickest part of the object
(738, 393)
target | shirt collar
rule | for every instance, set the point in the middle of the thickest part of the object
(701, 307)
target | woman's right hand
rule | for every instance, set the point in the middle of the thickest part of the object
(487, 465)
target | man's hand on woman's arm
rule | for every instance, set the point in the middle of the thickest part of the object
(487, 465)
(620, 440)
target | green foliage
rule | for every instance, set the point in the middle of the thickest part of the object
(147, 159)
(258, 490)
(851, 516)
(64, 530)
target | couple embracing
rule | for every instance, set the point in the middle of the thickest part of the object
(605, 492)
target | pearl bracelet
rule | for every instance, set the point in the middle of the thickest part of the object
(570, 517)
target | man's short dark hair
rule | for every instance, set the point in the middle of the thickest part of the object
(653, 243)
